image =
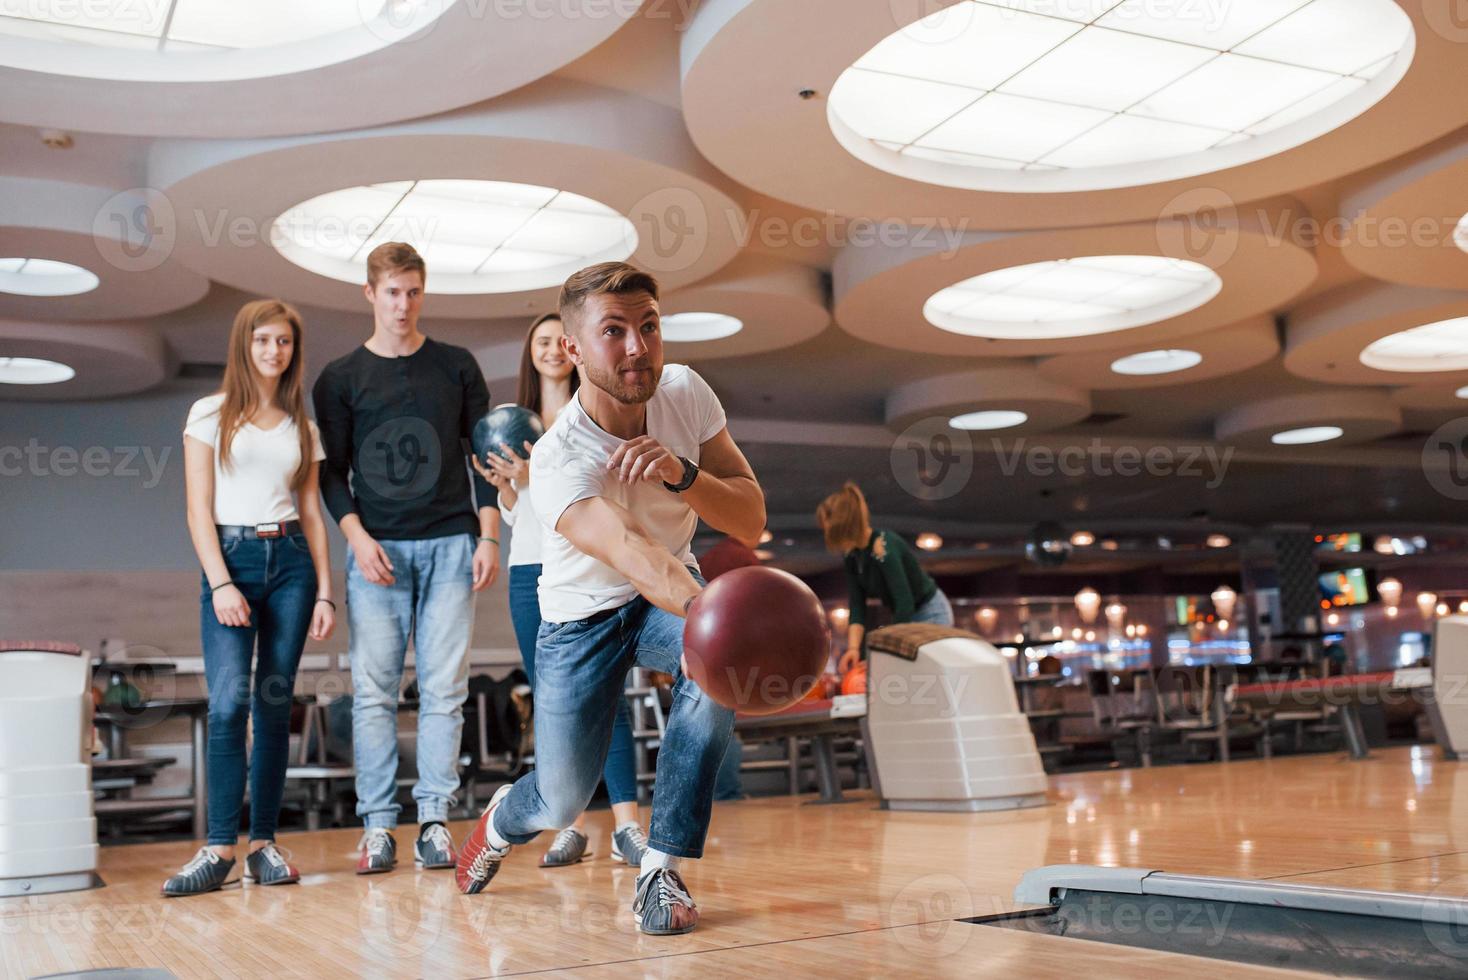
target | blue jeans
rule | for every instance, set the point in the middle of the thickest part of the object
(581, 668)
(431, 600)
(278, 581)
(620, 772)
(935, 610)
(730, 784)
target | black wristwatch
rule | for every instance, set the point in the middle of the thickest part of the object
(690, 473)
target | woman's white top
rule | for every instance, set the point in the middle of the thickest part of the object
(256, 486)
(525, 530)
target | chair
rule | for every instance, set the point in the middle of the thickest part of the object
(1122, 705)
(1193, 702)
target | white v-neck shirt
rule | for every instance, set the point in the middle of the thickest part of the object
(569, 464)
(256, 486)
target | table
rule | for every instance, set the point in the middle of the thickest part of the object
(120, 719)
(817, 720)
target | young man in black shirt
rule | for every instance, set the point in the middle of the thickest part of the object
(395, 417)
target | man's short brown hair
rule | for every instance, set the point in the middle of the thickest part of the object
(390, 258)
(595, 280)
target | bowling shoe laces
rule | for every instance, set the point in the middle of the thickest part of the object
(663, 906)
(434, 848)
(379, 851)
(629, 843)
(478, 858)
(205, 872)
(267, 866)
(568, 848)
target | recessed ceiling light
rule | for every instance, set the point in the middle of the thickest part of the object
(928, 541)
(1219, 541)
(33, 371)
(1082, 539)
(980, 421)
(1034, 95)
(1156, 362)
(476, 236)
(1306, 435)
(1072, 297)
(175, 33)
(687, 328)
(44, 277)
(1441, 346)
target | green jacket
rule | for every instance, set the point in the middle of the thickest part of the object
(888, 569)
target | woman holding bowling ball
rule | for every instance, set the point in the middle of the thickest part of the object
(548, 381)
(878, 564)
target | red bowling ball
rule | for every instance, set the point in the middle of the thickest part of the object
(756, 640)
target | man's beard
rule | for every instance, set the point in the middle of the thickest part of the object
(613, 384)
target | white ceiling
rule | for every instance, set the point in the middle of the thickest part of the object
(745, 203)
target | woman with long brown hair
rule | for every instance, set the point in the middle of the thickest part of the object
(548, 381)
(254, 515)
(878, 564)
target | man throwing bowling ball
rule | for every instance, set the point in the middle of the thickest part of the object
(620, 481)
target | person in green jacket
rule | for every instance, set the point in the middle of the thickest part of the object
(878, 564)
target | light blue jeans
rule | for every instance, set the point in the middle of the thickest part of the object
(580, 670)
(432, 602)
(936, 610)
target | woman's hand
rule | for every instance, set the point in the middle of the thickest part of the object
(501, 470)
(323, 620)
(848, 660)
(230, 607)
(491, 477)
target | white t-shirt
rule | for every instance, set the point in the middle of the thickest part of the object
(256, 487)
(570, 464)
(524, 528)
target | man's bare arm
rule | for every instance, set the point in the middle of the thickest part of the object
(732, 501)
(609, 533)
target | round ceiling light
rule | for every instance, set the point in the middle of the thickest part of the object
(1307, 435)
(33, 371)
(1441, 346)
(1156, 362)
(182, 40)
(1035, 95)
(44, 277)
(475, 236)
(1077, 297)
(687, 328)
(985, 421)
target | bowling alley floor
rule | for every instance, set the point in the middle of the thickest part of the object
(844, 890)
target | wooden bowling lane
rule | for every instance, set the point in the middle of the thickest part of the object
(844, 889)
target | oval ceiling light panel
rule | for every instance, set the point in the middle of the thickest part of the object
(986, 421)
(44, 277)
(1441, 346)
(1034, 95)
(475, 236)
(33, 371)
(1307, 435)
(181, 40)
(1156, 362)
(1077, 297)
(687, 328)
